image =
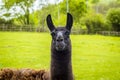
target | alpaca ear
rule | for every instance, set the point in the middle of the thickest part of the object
(50, 23)
(69, 21)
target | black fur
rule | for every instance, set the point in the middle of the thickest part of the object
(61, 66)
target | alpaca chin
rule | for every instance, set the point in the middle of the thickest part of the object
(60, 47)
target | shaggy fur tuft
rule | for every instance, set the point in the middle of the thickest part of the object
(23, 74)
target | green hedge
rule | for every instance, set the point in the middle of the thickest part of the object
(113, 17)
(95, 23)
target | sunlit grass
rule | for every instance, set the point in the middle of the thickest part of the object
(94, 57)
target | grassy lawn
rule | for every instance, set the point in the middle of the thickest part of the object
(94, 57)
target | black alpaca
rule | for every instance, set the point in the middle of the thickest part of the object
(61, 67)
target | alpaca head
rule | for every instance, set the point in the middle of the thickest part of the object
(60, 35)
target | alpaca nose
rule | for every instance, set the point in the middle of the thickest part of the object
(60, 39)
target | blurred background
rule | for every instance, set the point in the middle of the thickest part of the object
(90, 16)
(25, 41)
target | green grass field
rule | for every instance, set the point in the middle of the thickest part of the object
(94, 57)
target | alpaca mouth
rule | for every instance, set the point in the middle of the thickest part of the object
(60, 47)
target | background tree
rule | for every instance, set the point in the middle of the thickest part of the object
(77, 7)
(24, 5)
(95, 4)
(113, 17)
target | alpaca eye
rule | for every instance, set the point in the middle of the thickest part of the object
(53, 34)
(67, 33)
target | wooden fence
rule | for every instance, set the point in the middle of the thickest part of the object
(26, 28)
(30, 28)
(109, 33)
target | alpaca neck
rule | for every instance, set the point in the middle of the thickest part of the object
(61, 67)
(61, 56)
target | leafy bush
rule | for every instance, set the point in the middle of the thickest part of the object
(95, 22)
(113, 17)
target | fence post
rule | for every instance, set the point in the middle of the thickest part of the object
(3, 27)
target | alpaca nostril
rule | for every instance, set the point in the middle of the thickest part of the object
(59, 40)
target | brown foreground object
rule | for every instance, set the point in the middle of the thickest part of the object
(23, 74)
